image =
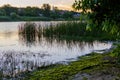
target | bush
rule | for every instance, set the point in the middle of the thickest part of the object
(14, 15)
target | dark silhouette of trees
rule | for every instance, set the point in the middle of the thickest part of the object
(103, 14)
(46, 8)
(8, 12)
(9, 9)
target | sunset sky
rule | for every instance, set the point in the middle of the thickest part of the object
(62, 4)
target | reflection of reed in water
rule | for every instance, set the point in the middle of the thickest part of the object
(31, 33)
(13, 63)
(28, 33)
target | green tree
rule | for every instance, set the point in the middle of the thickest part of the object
(46, 8)
(55, 13)
(67, 14)
(103, 14)
(32, 11)
(36, 11)
(2, 12)
(28, 11)
(13, 15)
(9, 9)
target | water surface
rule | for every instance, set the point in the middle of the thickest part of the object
(18, 53)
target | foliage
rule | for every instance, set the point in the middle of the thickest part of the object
(102, 14)
(46, 8)
(2, 12)
(5, 18)
(31, 11)
(67, 15)
(76, 29)
(55, 13)
(36, 13)
(116, 53)
(14, 15)
(26, 18)
(9, 9)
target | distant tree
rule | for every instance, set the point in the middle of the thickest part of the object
(46, 8)
(2, 12)
(36, 11)
(55, 13)
(55, 9)
(21, 11)
(13, 15)
(67, 14)
(9, 9)
(28, 11)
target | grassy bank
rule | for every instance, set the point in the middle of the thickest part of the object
(30, 18)
(24, 18)
(93, 64)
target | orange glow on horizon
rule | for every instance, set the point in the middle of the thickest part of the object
(62, 4)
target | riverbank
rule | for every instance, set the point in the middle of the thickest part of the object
(90, 67)
(27, 18)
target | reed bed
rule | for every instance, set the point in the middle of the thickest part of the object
(73, 29)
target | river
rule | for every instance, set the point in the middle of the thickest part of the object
(18, 54)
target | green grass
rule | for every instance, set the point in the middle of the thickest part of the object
(76, 30)
(66, 31)
(90, 64)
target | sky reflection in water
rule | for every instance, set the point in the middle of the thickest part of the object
(19, 53)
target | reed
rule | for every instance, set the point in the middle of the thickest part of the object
(71, 29)
(75, 29)
(28, 33)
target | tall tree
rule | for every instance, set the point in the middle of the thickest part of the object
(46, 8)
(104, 14)
(9, 9)
(55, 13)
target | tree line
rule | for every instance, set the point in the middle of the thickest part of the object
(45, 11)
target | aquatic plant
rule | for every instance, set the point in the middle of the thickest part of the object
(28, 32)
(67, 30)
(75, 29)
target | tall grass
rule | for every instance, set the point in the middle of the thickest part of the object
(71, 30)
(65, 29)
(28, 33)
(75, 29)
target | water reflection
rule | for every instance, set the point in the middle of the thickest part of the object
(31, 50)
(12, 63)
(28, 40)
(28, 33)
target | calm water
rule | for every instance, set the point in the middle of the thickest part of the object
(18, 54)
